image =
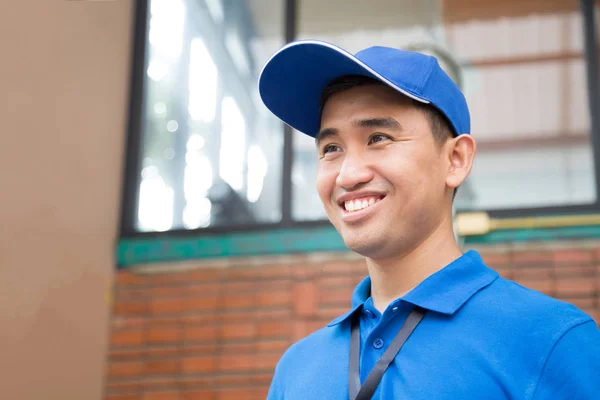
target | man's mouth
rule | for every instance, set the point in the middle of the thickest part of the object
(360, 203)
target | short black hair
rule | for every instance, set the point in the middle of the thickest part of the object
(440, 126)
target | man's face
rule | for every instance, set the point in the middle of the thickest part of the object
(381, 175)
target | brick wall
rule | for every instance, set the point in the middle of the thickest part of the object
(215, 331)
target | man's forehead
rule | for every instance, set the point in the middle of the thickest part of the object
(382, 122)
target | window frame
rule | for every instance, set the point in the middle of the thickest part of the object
(132, 162)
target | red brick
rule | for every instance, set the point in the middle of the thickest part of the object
(581, 302)
(237, 362)
(197, 319)
(204, 290)
(238, 287)
(564, 270)
(162, 351)
(126, 354)
(269, 299)
(237, 347)
(246, 394)
(300, 329)
(274, 329)
(125, 369)
(123, 397)
(275, 346)
(199, 395)
(163, 335)
(305, 272)
(275, 285)
(348, 268)
(159, 383)
(127, 278)
(123, 386)
(575, 286)
(347, 283)
(305, 298)
(335, 297)
(573, 256)
(199, 364)
(238, 316)
(238, 331)
(201, 333)
(168, 278)
(130, 308)
(127, 338)
(168, 291)
(211, 275)
(329, 313)
(255, 314)
(204, 303)
(270, 272)
(533, 273)
(120, 322)
(531, 258)
(225, 380)
(166, 305)
(174, 395)
(542, 285)
(279, 314)
(238, 301)
(204, 349)
(161, 367)
(166, 320)
(267, 361)
(495, 259)
(132, 293)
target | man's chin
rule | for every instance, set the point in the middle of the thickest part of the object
(363, 244)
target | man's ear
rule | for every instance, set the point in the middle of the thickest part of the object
(460, 151)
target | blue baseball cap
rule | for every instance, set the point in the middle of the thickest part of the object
(292, 80)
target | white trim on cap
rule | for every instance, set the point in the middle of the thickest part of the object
(350, 56)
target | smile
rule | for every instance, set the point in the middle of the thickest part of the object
(360, 203)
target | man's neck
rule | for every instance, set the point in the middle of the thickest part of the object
(394, 277)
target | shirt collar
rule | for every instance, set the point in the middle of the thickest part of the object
(443, 292)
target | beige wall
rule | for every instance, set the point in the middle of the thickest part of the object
(64, 82)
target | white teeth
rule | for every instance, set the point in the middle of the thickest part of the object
(349, 205)
(359, 204)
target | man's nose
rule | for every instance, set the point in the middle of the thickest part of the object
(353, 172)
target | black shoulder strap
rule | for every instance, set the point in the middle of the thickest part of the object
(366, 391)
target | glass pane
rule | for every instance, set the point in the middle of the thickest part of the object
(523, 73)
(525, 82)
(211, 151)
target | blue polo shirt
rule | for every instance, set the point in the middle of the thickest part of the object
(483, 337)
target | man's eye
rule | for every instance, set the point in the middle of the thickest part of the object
(378, 137)
(330, 148)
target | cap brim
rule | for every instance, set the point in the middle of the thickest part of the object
(293, 79)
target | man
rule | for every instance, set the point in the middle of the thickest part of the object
(394, 144)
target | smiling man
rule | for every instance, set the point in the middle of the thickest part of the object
(429, 322)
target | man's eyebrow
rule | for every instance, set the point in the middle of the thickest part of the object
(325, 133)
(379, 122)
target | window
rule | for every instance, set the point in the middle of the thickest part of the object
(205, 156)
(209, 152)
(522, 70)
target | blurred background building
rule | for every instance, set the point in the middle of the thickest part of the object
(162, 237)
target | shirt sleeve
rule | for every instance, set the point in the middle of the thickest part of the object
(572, 369)
(275, 392)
